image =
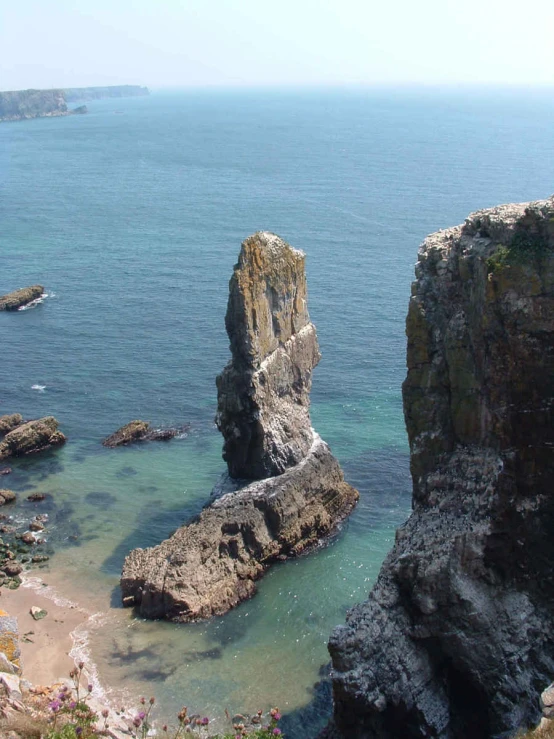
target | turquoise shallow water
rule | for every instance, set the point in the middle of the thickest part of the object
(133, 222)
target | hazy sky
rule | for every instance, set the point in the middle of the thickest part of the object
(61, 43)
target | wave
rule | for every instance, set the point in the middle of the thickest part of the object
(37, 301)
(81, 651)
(39, 388)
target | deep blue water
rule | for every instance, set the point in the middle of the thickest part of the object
(132, 218)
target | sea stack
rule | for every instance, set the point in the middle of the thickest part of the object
(298, 495)
(264, 392)
(457, 637)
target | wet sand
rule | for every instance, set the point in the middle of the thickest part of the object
(47, 645)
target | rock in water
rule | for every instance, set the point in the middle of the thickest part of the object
(300, 496)
(457, 637)
(263, 393)
(6, 496)
(10, 422)
(141, 431)
(13, 301)
(212, 564)
(132, 431)
(33, 436)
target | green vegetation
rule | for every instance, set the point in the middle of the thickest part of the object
(526, 247)
(69, 715)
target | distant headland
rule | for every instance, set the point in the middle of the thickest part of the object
(23, 104)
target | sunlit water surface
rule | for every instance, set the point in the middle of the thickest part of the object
(133, 222)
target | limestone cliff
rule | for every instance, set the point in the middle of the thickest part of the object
(263, 393)
(457, 638)
(213, 563)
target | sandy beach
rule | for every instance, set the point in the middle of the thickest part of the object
(52, 646)
(47, 645)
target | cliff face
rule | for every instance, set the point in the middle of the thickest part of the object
(263, 393)
(300, 496)
(22, 104)
(456, 639)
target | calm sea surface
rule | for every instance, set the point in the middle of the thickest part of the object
(132, 217)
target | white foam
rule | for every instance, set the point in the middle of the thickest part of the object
(35, 302)
(40, 388)
(81, 652)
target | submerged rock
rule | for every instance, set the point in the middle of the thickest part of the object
(457, 637)
(18, 298)
(213, 563)
(30, 437)
(141, 431)
(9, 423)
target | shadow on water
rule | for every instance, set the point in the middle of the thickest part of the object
(309, 720)
(385, 485)
(152, 520)
(100, 499)
(28, 471)
(126, 472)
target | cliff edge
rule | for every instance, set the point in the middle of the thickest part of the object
(456, 639)
(298, 495)
(20, 105)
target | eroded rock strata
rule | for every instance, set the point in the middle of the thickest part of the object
(457, 638)
(264, 392)
(299, 496)
(213, 564)
(30, 437)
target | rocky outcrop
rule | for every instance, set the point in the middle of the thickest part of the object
(6, 496)
(263, 393)
(213, 564)
(19, 298)
(141, 431)
(457, 638)
(300, 495)
(19, 105)
(30, 437)
(10, 422)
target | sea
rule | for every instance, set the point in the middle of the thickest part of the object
(132, 216)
